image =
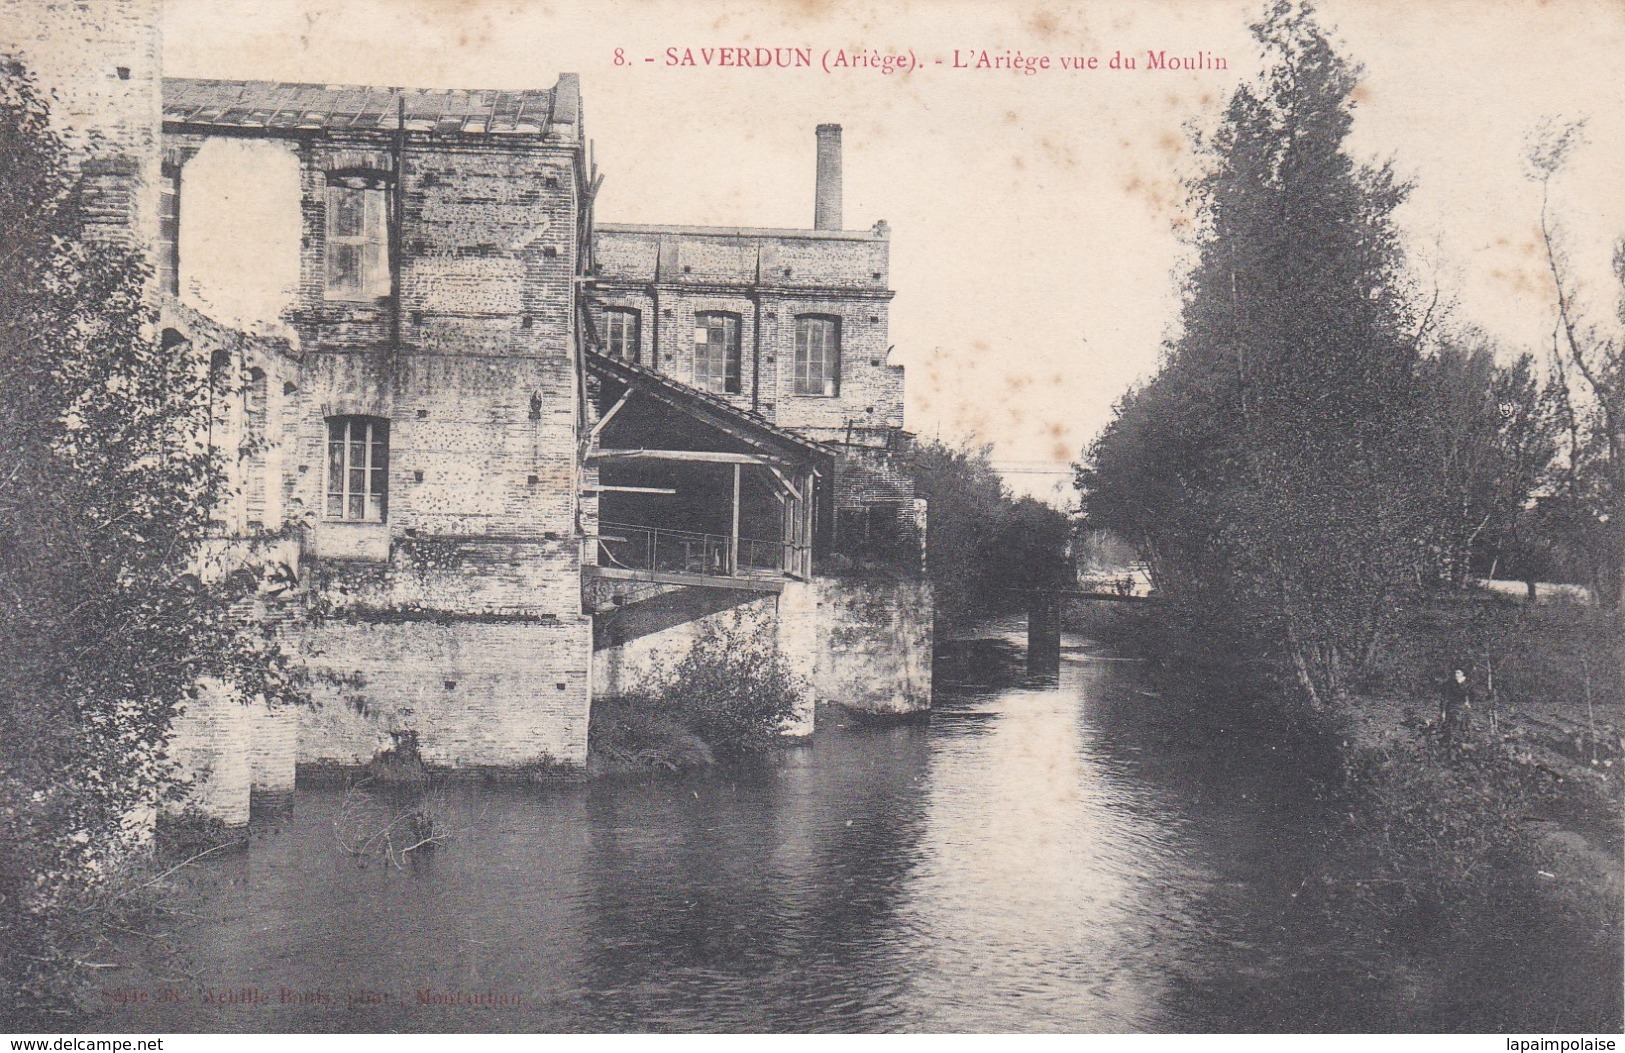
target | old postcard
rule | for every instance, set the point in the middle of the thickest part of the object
(814, 516)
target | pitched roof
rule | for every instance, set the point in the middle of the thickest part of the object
(753, 428)
(283, 107)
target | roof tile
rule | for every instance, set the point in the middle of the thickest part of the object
(272, 105)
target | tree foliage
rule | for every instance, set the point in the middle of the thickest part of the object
(985, 546)
(1266, 470)
(1485, 441)
(106, 480)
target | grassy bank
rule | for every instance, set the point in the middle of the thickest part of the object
(628, 737)
(1544, 680)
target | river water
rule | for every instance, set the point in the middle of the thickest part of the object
(1037, 857)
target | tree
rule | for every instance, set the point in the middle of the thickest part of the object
(107, 478)
(1586, 512)
(1486, 438)
(985, 545)
(1273, 446)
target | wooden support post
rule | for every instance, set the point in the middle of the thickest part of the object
(789, 523)
(733, 541)
(808, 526)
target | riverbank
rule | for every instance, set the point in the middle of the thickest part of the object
(1518, 817)
(1544, 681)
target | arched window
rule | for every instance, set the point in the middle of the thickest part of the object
(621, 333)
(357, 468)
(818, 355)
(716, 352)
(357, 235)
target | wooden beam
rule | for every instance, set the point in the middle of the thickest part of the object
(733, 541)
(703, 456)
(744, 582)
(592, 436)
(808, 528)
(628, 489)
(784, 482)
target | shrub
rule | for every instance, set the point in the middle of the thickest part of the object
(731, 694)
(732, 689)
(1434, 823)
(108, 622)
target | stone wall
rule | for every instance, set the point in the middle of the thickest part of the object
(865, 646)
(868, 644)
(101, 61)
(455, 620)
(658, 625)
(474, 693)
(232, 753)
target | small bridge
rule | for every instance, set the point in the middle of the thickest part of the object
(1044, 621)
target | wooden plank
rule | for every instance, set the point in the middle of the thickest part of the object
(592, 436)
(784, 482)
(807, 529)
(627, 489)
(744, 582)
(704, 456)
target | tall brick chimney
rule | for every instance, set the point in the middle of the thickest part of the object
(827, 195)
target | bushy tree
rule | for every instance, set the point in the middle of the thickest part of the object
(732, 689)
(106, 481)
(1268, 469)
(984, 546)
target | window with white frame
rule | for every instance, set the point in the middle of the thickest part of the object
(357, 236)
(621, 333)
(357, 468)
(818, 355)
(716, 352)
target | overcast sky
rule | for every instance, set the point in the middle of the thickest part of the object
(1034, 217)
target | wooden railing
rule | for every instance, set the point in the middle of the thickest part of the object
(656, 550)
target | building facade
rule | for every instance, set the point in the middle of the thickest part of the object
(497, 458)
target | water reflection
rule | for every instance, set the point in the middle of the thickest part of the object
(764, 900)
(1042, 856)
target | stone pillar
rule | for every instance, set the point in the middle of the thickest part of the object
(1044, 635)
(798, 644)
(210, 742)
(273, 748)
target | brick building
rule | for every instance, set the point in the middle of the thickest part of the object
(499, 457)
